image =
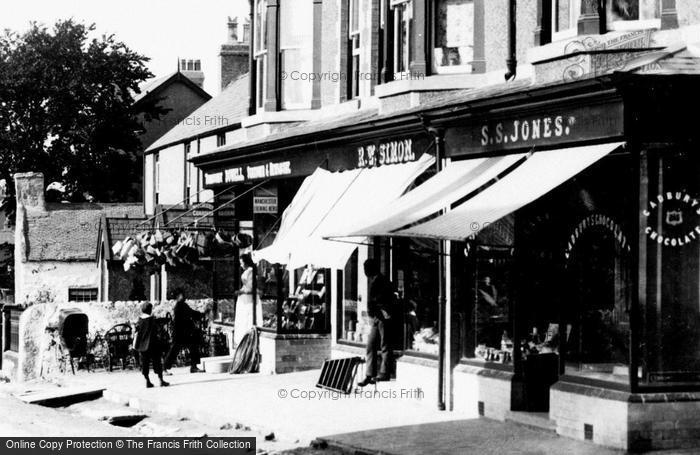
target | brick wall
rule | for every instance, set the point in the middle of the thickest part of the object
(286, 353)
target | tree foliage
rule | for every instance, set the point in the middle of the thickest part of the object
(67, 109)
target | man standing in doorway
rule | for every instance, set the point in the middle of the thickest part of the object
(184, 333)
(379, 302)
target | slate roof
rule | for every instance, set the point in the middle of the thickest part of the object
(224, 110)
(68, 232)
(156, 84)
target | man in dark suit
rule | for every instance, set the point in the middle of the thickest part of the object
(379, 302)
(184, 333)
(147, 344)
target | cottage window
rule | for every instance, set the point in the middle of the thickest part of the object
(82, 294)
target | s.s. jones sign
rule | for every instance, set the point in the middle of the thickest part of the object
(560, 125)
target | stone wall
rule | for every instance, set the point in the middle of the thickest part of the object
(285, 353)
(636, 422)
(102, 316)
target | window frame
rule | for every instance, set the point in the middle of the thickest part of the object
(637, 24)
(464, 68)
(354, 43)
(83, 291)
(574, 15)
(403, 17)
(306, 104)
(260, 51)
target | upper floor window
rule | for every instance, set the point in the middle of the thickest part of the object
(260, 49)
(354, 46)
(403, 13)
(633, 14)
(221, 139)
(453, 43)
(565, 15)
(296, 49)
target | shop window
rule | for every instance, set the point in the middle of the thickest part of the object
(670, 220)
(296, 49)
(577, 283)
(403, 13)
(485, 313)
(260, 50)
(565, 14)
(453, 49)
(633, 14)
(416, 280)
(82, 294)
(350, 312)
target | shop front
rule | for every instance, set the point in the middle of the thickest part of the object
(570, 214)
(313, 290)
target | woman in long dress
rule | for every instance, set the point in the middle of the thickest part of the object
(244, 303)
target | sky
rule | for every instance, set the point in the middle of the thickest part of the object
(160, 29)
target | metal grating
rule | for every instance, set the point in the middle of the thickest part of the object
(339, 374)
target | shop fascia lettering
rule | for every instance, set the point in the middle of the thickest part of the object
(673, 218)
(385, 153)
(240, 174)
(520, 130)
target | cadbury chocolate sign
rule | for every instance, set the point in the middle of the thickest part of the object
(542, 129)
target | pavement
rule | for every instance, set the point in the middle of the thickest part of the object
(290, 411)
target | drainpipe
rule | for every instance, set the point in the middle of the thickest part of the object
(511, 62)
(252, 70)
(438, 137)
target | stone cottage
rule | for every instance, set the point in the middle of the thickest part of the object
(55, 244)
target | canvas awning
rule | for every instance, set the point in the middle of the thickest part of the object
(325, 202)
(521, 180)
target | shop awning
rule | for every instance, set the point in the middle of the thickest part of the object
(325, 202)
(456, 181)
(522, 181)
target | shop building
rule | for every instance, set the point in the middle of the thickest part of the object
(544, 249)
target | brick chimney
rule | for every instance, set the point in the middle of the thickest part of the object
(234, 53)
(29, 190)
(192, 69)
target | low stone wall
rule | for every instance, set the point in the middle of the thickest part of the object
(635, 422)
(102, 316)
(481, 390)
(284, 353)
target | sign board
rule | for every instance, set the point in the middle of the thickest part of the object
(553, 127)
(367, 154)
(265, 200)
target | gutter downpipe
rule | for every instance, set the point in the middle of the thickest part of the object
(511, 62)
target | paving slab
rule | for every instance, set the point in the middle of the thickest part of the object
(59, 396)
(462, 437)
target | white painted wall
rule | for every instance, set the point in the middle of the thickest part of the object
(148, 201)
(52, 279)
(171, 187)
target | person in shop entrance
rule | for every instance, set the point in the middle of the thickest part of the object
(245, 301)
(184, 333)
(379, 301)
(146, 342)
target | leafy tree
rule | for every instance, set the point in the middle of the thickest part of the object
(67, 110)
